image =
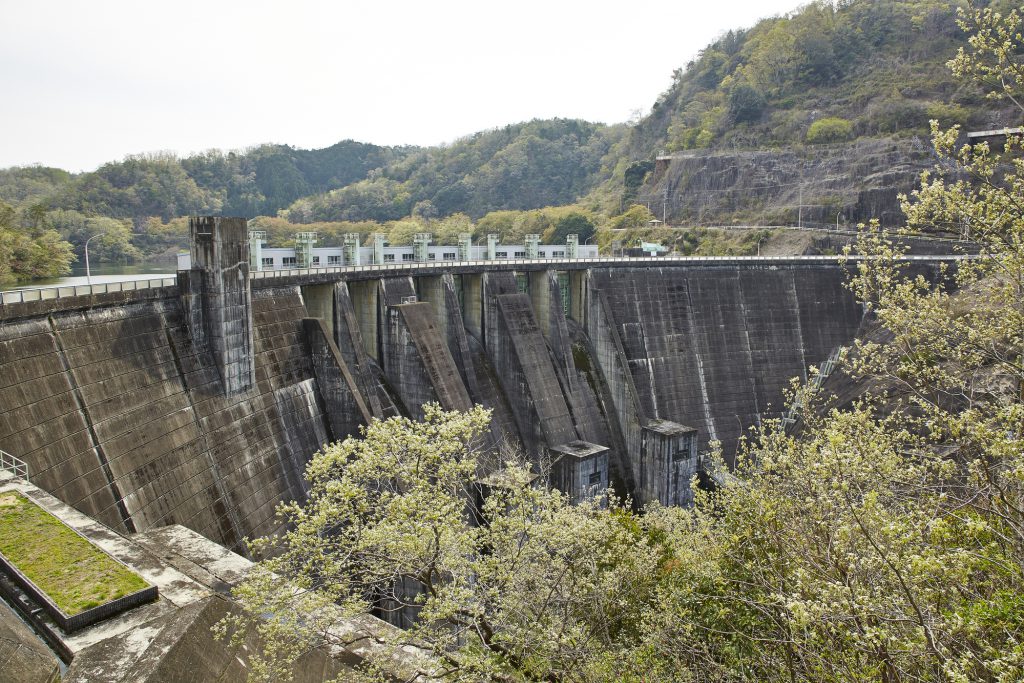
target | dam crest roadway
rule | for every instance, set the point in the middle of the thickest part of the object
(370, 271)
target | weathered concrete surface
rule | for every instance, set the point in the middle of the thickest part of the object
(24, 658)
(435, 356)
(522, 361)
(349, 339)
(176, 590)
(44, 423)
(221, 311)
(119, 414)
(714, 348)
(415, 353)
(344, 406)
(579, 469)
(171, 640)
(450, 313)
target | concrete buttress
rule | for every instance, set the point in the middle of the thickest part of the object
(221, 315)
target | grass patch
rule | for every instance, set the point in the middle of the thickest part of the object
(72, 571)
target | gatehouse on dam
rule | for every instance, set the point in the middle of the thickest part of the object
(199, 401)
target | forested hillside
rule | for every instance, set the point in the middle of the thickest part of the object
(521, 166)
(258, 181)
(832, 73)
(829, 74)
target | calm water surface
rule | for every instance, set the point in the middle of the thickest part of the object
(103, 273)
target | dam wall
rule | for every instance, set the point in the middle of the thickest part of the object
(124, 408)
(714, 348)
(118, 413)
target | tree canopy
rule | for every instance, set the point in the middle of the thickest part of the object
(29, 248)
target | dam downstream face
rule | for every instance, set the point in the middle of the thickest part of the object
(128, 408)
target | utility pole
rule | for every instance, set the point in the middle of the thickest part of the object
(800, 208)
(664, 205)
(88, 274)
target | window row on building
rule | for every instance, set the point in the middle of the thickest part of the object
(274, 258)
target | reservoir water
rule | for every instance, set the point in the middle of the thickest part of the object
(100, 273)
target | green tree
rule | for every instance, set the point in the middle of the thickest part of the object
(575, 222)
(115, 243)
(520, 586)
(884, 541)
(637, 216)
(745, 103)
(30, 252)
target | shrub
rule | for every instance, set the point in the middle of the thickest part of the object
(948, 114)
(830, 129)
(704, 139)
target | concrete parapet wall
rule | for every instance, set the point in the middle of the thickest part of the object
(52, 304)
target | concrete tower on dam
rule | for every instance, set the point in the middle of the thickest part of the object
(200, 402)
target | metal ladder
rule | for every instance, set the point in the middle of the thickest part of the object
(815, 382)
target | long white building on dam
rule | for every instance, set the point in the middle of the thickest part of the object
(305, 253)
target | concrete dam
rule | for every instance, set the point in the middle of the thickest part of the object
(199, 403)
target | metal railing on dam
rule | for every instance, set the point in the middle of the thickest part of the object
(16, 466)
(426, 267)
(18, 296)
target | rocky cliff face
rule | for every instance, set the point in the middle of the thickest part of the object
(810, 184)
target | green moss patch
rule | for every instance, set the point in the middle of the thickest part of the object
(73, 572)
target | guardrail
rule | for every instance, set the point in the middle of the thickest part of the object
(556, 263)
(17, 296)
(823, 228)
(15, 466)
(20, 296)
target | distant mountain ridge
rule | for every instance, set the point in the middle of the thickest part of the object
(521, 166)
(260, 180)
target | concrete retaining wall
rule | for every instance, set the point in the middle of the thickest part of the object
(119, 414)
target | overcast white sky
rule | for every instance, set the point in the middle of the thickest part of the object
(82, 83)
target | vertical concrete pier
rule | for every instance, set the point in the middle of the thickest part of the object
(343, 399)
(363, 295)
(319, 301)
(217, 297)
(472, 297)
(540, 298)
